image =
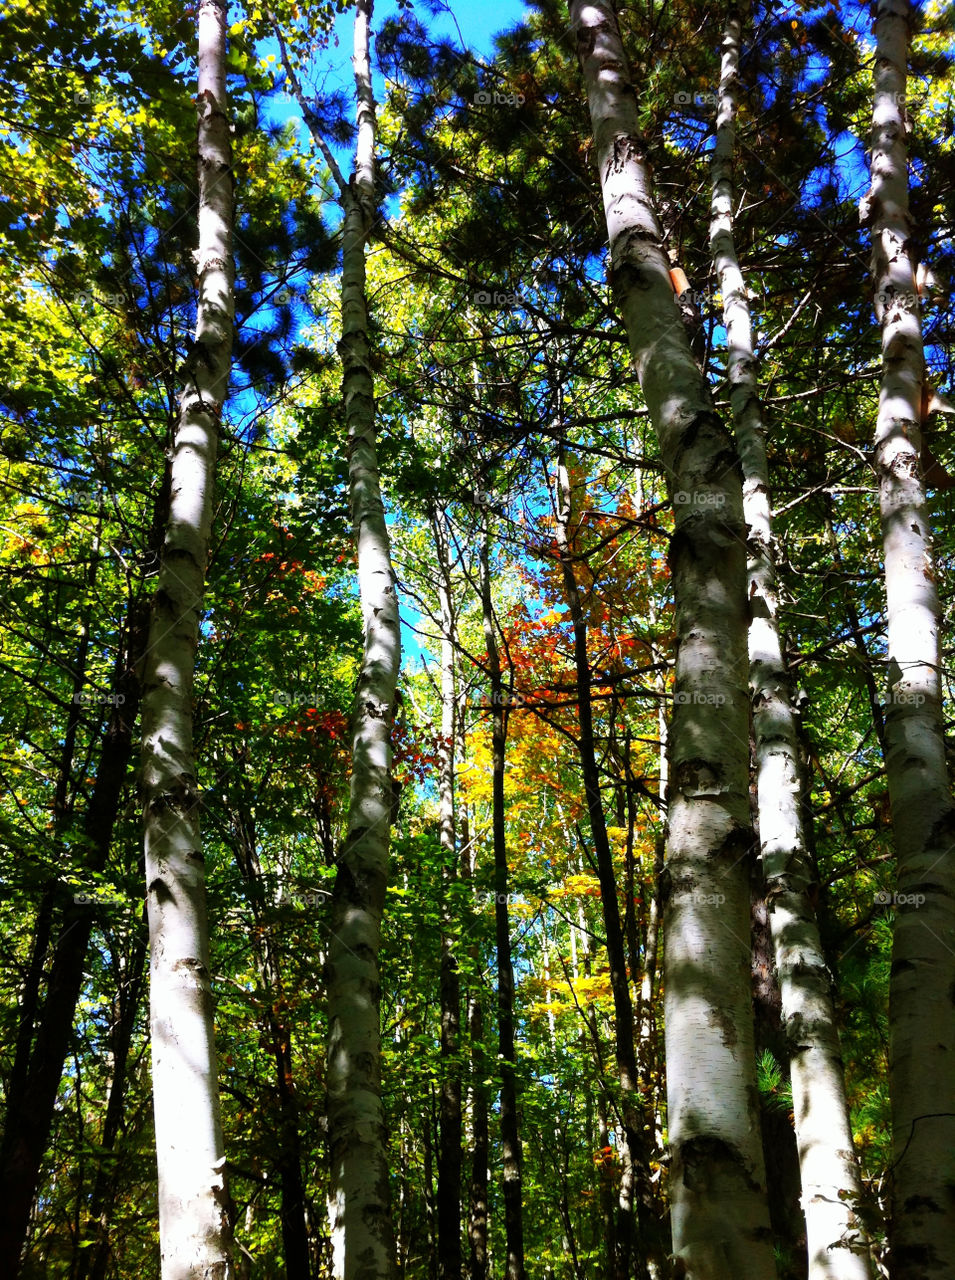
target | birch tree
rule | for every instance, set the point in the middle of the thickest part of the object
(922, 1028)
(830, 1178)
(363, 1243)
(194, 1222)
(717, 1180)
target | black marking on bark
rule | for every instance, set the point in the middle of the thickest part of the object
(727, 1027)
(702, 1158)
(942, 834)
(691, 432)
(160, 889)
(627, 276)
(587, 41)
(740, 840)
(694, 773)
(666, 888)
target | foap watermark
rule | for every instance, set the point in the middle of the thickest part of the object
(494, 97)
(292, 699)
(502, 298)
(905, 698)
(885, 899)
(683, 98)
(499, 699)
(707, 899)
(698, 298)
(86, 298)
(307, 898)
(684, 498)
(699, 699)
(84, 898)
(82, 699)
(489, 898)
(902, 299)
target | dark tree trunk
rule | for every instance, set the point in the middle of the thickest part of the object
(510, 1125)
(28, 1127)
(633, 1249)
(93, 1262)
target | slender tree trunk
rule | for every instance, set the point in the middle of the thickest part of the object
(477, 1265)
(717, 1180)
(363, 1238)
(922, 984)
(27, 1131)
(480, 1148)
(632, 1252)
(780, 1149)
(13, 1217)
(837, 1248)
(275, 1024)
(93, 1261)
(449, 1150)
(194, 1226)
(510, 1128)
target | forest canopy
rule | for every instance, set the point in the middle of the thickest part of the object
(476, 578)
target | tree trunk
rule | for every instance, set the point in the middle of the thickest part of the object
(363, 1240)
(27, 1130)
(922, 983)
(510, 1128)
(780, 1150)
(194, 1226)
(93, 1262)
(449, 1150)
(717, 1180)
(477, 1266)
(632, 1251)
(275, 1024)
(837, 1249)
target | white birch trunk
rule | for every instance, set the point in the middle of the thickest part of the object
(720, 1216)
(837, 1249)
(922, 984)
(194, 1227)
(363, 1242)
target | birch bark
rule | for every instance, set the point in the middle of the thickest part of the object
(194, 1225)
(837, 1248)
(363, 1239)
(922, 983)
(718, 1199)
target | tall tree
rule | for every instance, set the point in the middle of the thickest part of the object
(451, 1123)
(717, 1179)
(634, 1249)
(194, 1210)
(363, 1240)
(830, 1177)
(513, 1156)
(922, 1029)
